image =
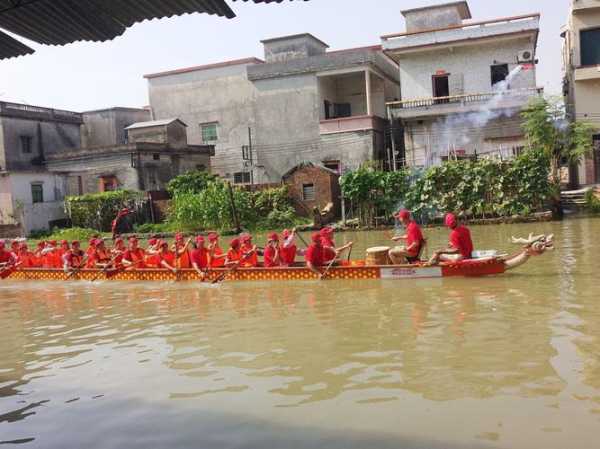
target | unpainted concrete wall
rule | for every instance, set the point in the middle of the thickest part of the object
(107, 127)
(429, 19)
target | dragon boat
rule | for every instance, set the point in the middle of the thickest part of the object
(354, 270)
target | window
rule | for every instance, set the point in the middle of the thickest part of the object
(79, 185)
(337, 110)
(441, 87)
(108, 184)
(590, 47)
(518, 150)
(499, 73)
(156, 157)
(332, 165)
(308, 192)
(26, 144)
(201, 167)
(241, 177)
(209, 132)
(37, 193)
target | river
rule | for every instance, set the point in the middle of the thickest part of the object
(504, 362)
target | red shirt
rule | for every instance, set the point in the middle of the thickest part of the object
(287, 255)
(217, 262)
(200, 257)
(233, 255)
(414, 235)
(6, 257)
(460, 238)
(270, 253)
(167, 256)
(251, 260)
(136, 257)
(26, 259)
(184, 259)
(74, 258)
(315, 255)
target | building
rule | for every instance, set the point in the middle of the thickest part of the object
(30, 197)
(464, 83)
(581, 61)
(301, 103)
(120, 152)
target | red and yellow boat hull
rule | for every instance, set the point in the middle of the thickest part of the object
(354, 271)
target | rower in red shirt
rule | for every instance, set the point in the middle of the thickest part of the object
(100, 257)
(199, 257)
(329, 250)
(49, 255)
(288, 249)
(75, 258)
(414, 241)
(14, 247)
(7, 258)
(249, 252)
(167, 257)
(117, 253)
(315, 255)
(234, 254)
(151, 258)
(134, 256)
(216, 254)
(181, 249)
(59, 254)
(460, 245)
(272, 257)
(38, 258)
(25, 257)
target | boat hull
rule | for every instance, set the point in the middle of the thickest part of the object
(353, 272)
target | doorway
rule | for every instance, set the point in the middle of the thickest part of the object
(441, 88)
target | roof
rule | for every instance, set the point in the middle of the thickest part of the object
(206, 67)
(294, 36)
(153, 123)
(463, 9)
(60, 22)
(307, 164)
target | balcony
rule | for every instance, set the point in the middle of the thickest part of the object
(580, 6)
(349, 124)
(587, 73)
(456, 104)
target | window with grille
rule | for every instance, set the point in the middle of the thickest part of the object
(590, 47)
(241, 178)
(308, 192)
(37, 193)
(26, 144)
(209, 132)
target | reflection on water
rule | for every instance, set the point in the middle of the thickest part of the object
(510, 361)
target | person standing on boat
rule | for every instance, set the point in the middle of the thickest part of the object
(414, 241)
(199, 258)
(272, 252)
(460, 245)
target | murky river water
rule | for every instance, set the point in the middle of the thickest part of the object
(511, 361)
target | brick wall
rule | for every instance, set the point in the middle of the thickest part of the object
(326, 185)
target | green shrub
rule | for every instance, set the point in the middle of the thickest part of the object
(592, 202)
(191, 182)
(154, 228)
(97, 210)
(70, 234)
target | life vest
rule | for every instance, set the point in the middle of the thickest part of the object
(251, 260)
(217, 262)
(183, 261)
(75, 258)
(136, 257)
(168, 257)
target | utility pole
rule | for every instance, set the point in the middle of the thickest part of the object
(234, 215)
(251, 156)
(393, 137)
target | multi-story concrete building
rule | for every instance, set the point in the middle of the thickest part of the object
(29, 195)
(463, 83)
(301, 103)
(581, 61)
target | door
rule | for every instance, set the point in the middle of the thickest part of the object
(441, 88)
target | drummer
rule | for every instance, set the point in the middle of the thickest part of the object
(414, 241)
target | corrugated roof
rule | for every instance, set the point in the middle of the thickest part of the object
(60, 22)
(152, 123)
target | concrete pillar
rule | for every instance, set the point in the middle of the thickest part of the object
(368, 84)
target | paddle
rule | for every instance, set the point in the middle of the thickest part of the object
(8, 270)
(302, 239)
(232, 269)
(77, 270)
(106, 268)
(324, 275)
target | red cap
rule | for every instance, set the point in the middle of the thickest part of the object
(213, 237)
(327, 231)
(450, 220)
(152, 242)
(52, 242)
(273, 237)
(199, 239)
(316, 237)
(163, 243)
(41, 244)
(403, 215)
(133, 239)
(235, 243)
(98, 242)
(245, 238)
(23, 246)
(119, 240)
(64, 242)
(92, 242)
(286, 233)
(75, 243)
(179, 236)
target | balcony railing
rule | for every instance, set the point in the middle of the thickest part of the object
(464, 99)
(350, 124)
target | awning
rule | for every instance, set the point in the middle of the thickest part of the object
(60, 22)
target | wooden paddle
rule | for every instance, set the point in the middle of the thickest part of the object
(76, 270)
(106, 268)
(302, 239)
(8, 270)
(223, 275)
(324, 275)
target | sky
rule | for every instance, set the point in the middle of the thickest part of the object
(88, 76)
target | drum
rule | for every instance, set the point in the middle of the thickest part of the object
(378, 256)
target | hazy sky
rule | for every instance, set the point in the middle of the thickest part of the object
(85, 76)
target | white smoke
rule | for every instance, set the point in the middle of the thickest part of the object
(453, 131)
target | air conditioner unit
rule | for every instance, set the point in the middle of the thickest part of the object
(525, 56)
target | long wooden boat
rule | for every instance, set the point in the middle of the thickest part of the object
(356, 270)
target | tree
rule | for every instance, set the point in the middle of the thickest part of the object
(191, 182)
(562, 142)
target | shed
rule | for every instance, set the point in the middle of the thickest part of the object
(170, 131)
(313, 186)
